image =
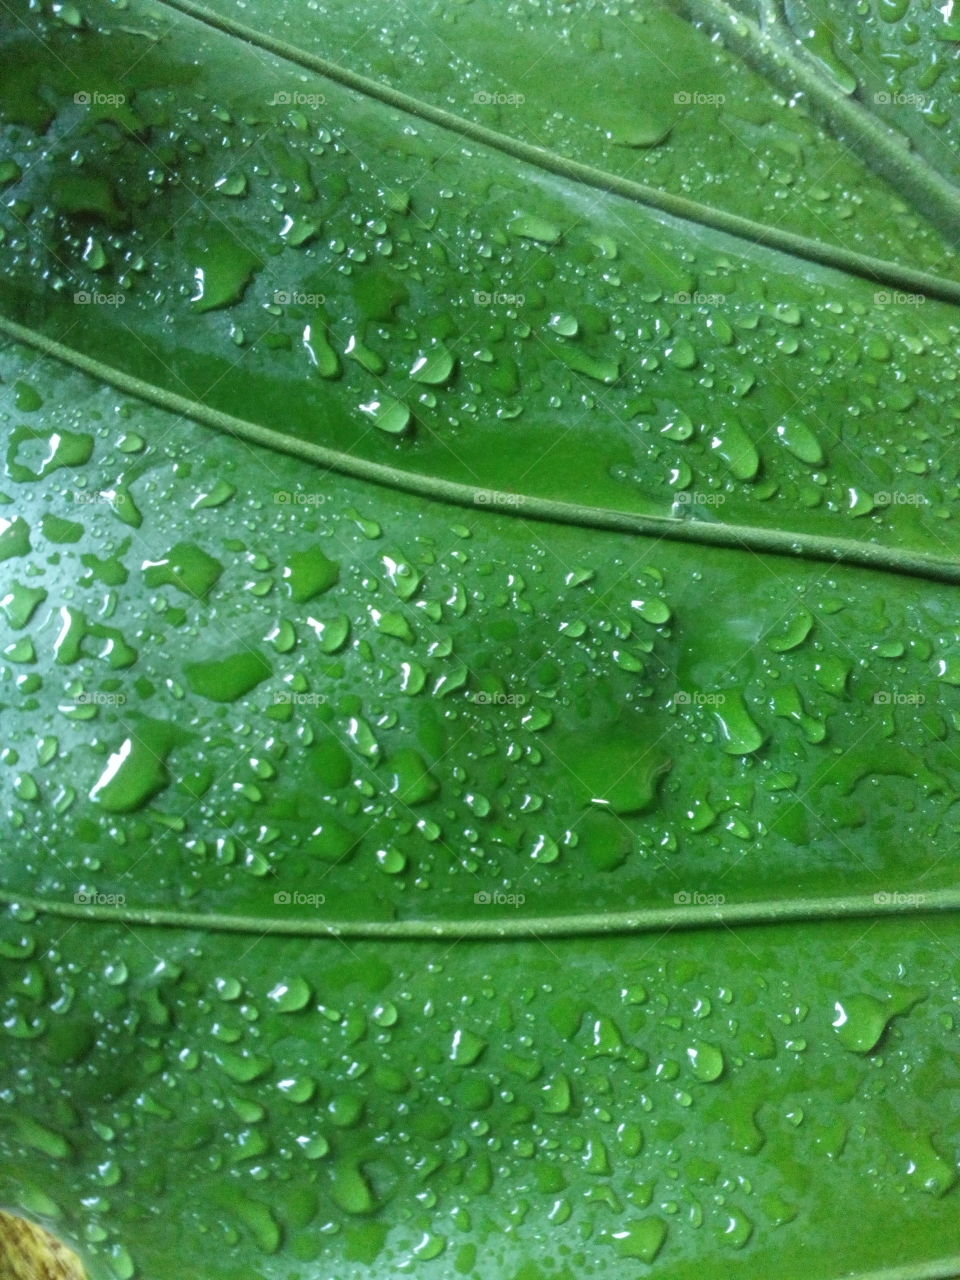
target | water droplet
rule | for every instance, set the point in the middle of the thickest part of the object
(226, 679)
(309, 573)
(221, 266)
(739, 734)
(641, 1238)
(652, 609)
(736, 448)
(217, 495)
(706, 1061)
(409, 778)
(291, 996)
(135, 772)
(529, 227)
(391, 861)
(185, 566)
(564, 324)
(797, 437)
(388, 414)
(466, 1047)
(792, 631)
(433, 367)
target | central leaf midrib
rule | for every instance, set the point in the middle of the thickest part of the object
(850, 261)
(807, 546)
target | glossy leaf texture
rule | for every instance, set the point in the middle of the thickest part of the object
(481, 672)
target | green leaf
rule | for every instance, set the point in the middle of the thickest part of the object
(480, 660)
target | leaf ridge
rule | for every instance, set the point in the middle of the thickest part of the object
(592, 924)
